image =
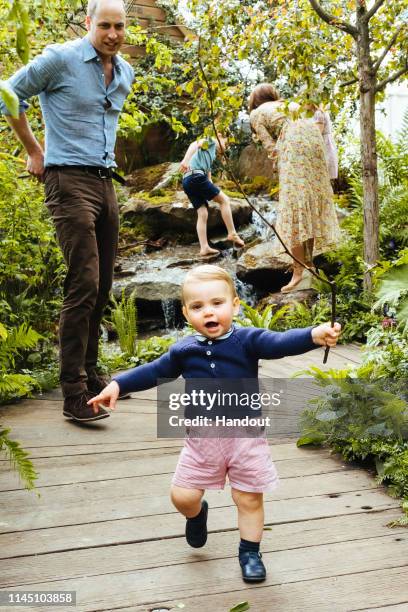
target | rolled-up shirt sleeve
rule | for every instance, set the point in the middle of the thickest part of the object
(42, 73)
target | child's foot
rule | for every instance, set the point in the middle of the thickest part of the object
(252, 567)
(208, 252)
(196, 527)
(237, 242)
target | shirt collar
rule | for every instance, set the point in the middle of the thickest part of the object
(90, 53)
(202, 338)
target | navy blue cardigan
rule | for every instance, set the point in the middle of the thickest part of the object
(233, 357)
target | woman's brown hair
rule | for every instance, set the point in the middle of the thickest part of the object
(265, 92)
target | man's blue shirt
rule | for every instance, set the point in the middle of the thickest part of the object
(80, 113)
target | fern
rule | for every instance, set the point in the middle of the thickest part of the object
(124, 318)
(393, 290)
(19, 459)
(12, 344)
(265, 319)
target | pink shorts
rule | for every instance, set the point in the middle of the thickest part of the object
(204, 463)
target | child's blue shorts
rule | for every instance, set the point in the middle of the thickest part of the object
(199, 189)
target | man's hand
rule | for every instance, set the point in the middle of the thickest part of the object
(107, 397)
(326, 335)
(35, 164)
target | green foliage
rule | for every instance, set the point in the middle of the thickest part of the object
(19, 459)
(393, 291)
(265, 319)
(12, 344)
(146, 351)
(352, 408)
(124, 318)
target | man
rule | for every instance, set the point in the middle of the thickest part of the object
(82, 86)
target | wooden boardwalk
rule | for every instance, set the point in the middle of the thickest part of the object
(105, 528)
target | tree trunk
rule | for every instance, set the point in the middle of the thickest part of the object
(370, 183)
(367, 80)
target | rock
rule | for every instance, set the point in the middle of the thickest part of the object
(146, 179)
(253, 162)
(258, 267)
(167, 178)
(172, 216)
(308, 296)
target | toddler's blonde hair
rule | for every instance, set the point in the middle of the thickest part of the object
(207, 273)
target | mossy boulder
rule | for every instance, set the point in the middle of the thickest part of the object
(169, 214)
(254, 162)
(151, 177)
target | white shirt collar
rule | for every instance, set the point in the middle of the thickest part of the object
(202, 338)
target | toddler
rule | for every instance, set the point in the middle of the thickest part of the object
(220, 350)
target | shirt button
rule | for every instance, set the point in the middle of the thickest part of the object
(210, 342)
(212, 365)
(208, 352)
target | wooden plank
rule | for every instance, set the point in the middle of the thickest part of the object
(75, 469)
(279, 451)
(100, 589)
(127, 498)
(344, 593)
(161, 524)
(163, 553)
(400, 607)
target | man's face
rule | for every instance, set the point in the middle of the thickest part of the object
(107, 27)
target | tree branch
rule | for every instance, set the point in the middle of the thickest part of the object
(351, 82)
(393, 77)
(373, 10)
(387, 48)
(334, 21)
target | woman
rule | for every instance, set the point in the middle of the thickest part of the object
(307, 220)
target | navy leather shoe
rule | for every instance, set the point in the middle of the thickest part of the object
(196, 528)
(252, 567)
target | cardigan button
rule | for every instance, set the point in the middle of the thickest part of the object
(212, 365)
(210, 342)
(208, 352)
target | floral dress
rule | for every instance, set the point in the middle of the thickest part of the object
(330, 148)
(305, 209)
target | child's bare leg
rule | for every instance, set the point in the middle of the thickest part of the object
(250, 514)
(188, 502)
(250, 523)
(202, 216)
(226, 214)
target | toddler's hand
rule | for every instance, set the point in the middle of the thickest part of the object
(325, 334)
(107, 397)
(183, 167)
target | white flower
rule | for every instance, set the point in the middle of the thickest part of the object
(293, 107)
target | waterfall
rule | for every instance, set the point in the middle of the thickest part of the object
(268, 209)
(169, 312)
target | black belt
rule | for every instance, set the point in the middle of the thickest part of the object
(100, 171)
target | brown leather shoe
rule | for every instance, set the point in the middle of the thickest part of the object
(77, 409)
(97, 383)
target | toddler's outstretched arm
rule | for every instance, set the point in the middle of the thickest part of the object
(107, 397)
(325, 334)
